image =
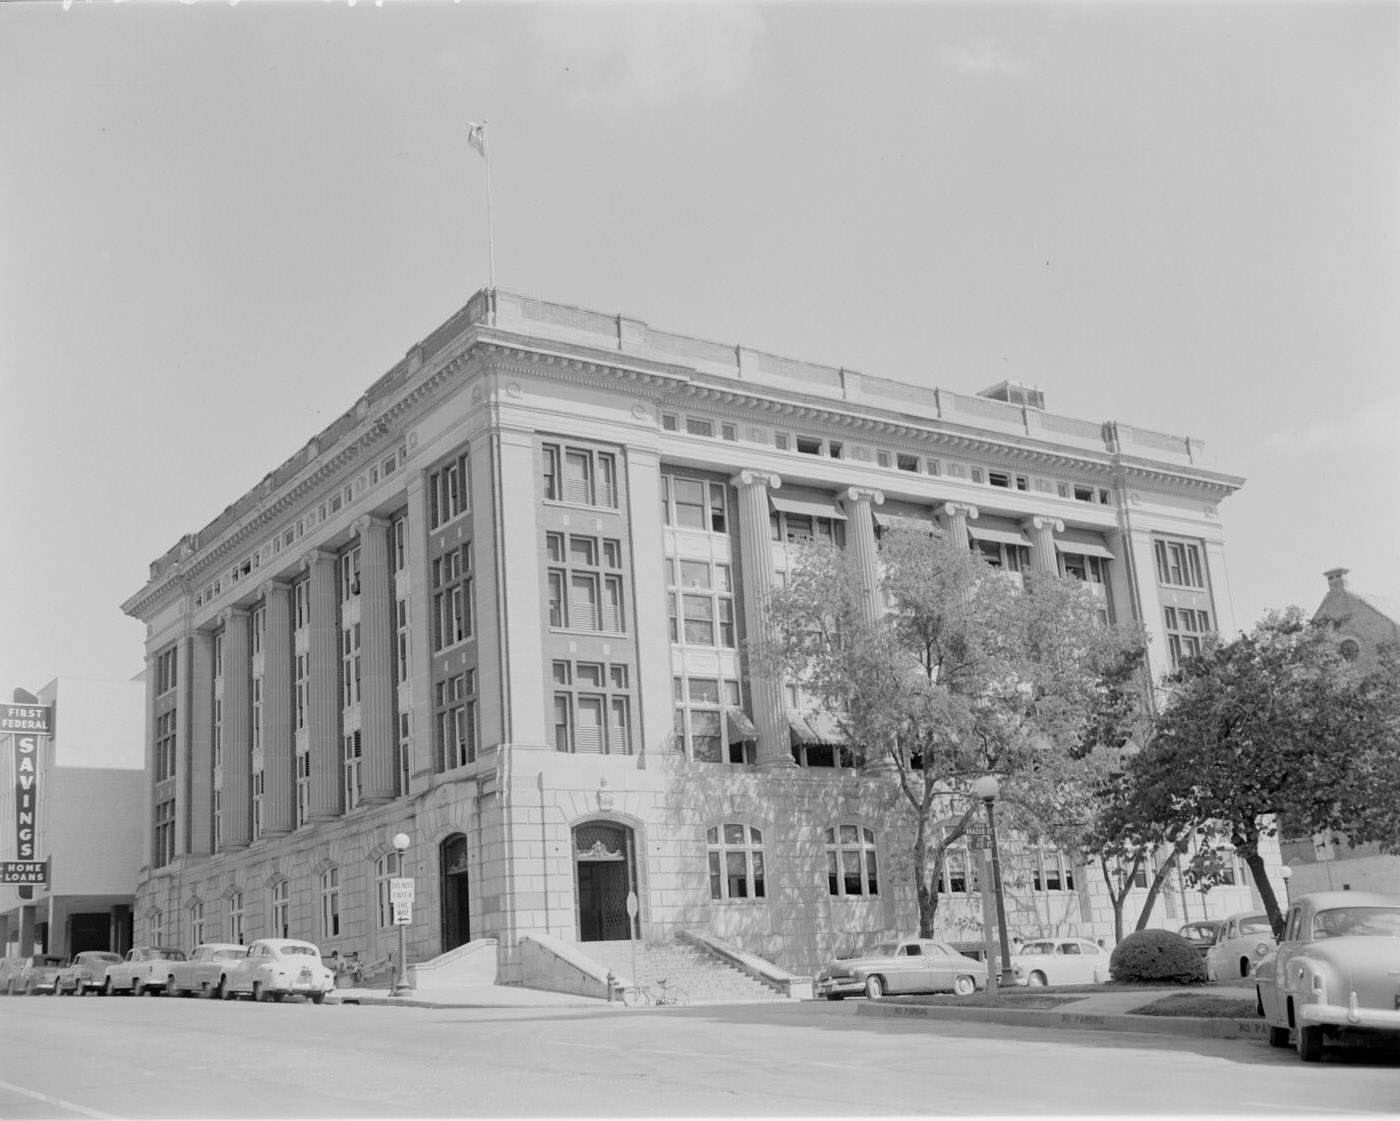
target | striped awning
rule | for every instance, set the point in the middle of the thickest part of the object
(806, 500)
(1006, 534)
(1085, 544)
(741, 728)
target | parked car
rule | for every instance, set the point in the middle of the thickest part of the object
(1060, 961)
(85, 973)
(274, 968)
(909, 965)
(1204, 934)
(142, 971)
(1336, 970)
(200, 972)
(39, 973)
(1243, 940)
(9, 972)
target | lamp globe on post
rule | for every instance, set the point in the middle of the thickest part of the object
(1287, 873)
(400, 986)
(987, 789)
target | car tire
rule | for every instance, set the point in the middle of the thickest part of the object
(875, 986)
(835, 996)
(964, 986)
(226, 993)
(1309, 1042)
(278, 997)
(1037, 980)
(216, 991)
(1278, 1037)
(318, 998)
(30, 988)
(259, 993)
(108, 989)
(170, 989)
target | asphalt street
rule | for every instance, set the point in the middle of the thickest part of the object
(158, 1057)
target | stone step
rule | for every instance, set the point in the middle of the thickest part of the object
(702, 976)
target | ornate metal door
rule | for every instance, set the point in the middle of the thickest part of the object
(604, 872)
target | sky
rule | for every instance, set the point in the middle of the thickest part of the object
(219, 223)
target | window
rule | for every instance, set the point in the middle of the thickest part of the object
(349, 574)
(235, 918)
(1185, 626)
(157, 924)
(301, 604)
(401, 639)
(399, 537)
(1012, 558)
(585, 591)
(456, 713)
(694, 504)
(700, 602)
(350, 665)
(1051, 870)
(698, 426)
(907, 462)
(592, 708)
(581, 476)
(850, 861)
(1008, 481)
(165, 745)
(330, 903)
(808, 445)
(197, 922)
(405, 747)
(1092, 570)
(452, 599)
(280, 911)
(257, 625)
(670, 422)
(352, 758)
(303, 778)
(933, 467)
(882, 459)
(166, 663)
(384, 871)
(165, 832)
(702, 728)
(259, 789)
(801, 529)
(1178, 564)
(1348, 648)
(449, 490)
(303, 686)
(735, 854)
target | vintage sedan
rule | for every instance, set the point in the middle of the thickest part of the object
(908, 965)
(1335, 971)
(1060, 961)
(1203, 934)
(274, 968)
(1243, 940)
(85, 973)
(142, 971)
(200, 972)
(38, 974)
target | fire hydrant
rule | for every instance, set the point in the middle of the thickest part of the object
(612, 985)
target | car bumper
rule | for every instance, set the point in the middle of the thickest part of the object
(1339, 1015)
(840, 986)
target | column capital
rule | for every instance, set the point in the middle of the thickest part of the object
(1041, 521)
(228, 614)
(954, 509)
(272, 585)
(313, 557)
(868, 494)
(747, 478)
(365, 522)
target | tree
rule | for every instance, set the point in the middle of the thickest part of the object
(1275, 723)
(960, 674)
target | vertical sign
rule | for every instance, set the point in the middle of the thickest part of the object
(25, 723)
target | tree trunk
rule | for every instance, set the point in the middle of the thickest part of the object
(1155, 887)
(1265, 889)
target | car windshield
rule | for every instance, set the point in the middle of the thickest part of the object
(100, 958)
(229, 955)
(1356, 921)
(168, 955)
(51, 959)
(1199, 933)
(880, 950)
(309, 951)
(1038, 948)
(1256, 924)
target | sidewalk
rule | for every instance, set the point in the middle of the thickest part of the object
(467, 996)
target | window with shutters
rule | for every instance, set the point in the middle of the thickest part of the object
(592, 708)
(352, 758)
(579, 476)
(583, 583)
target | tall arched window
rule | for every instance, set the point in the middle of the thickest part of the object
(280, 911)
(735, 853)
(330, 903)
(385, 869)
(851, 867)
(235, 917)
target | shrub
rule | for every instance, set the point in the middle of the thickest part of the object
(1156, 955)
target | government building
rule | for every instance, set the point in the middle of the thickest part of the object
(500, 606)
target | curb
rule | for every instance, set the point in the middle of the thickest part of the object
(1198, 1026)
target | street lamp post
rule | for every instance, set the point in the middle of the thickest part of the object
(401, 843)
(1287, 873)
(987, 789)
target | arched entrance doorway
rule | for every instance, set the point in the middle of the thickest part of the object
(456, 907)
(605, 870)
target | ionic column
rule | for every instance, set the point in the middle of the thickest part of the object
(279, 808)
(378, 734)
(1042, 531)
(756, 557)
(860, 539)
(323, 686)
(236, 814)
(956, 516)
(194, 821)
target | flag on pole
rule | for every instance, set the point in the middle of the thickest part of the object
(476, 136)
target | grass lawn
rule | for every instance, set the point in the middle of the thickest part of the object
(1193, 1004)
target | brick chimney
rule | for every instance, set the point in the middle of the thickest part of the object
(1337, 579)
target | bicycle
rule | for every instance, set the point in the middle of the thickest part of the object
(637, 996)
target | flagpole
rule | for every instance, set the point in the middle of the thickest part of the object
(490, 237)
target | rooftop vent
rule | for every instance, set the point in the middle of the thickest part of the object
(1015, 393)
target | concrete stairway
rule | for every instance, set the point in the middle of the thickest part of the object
(702, 975)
